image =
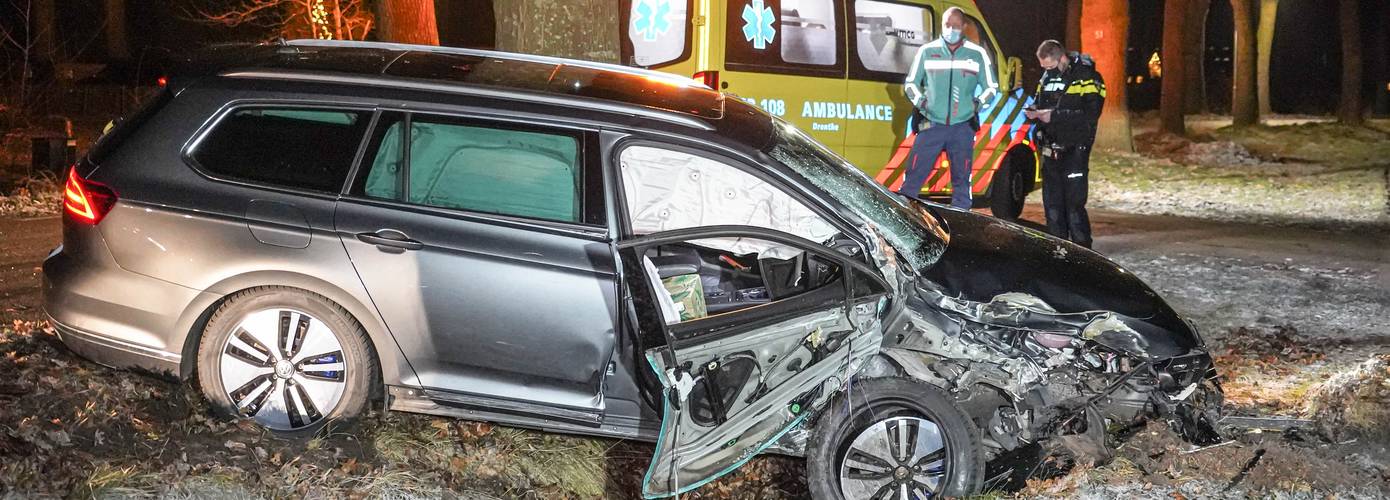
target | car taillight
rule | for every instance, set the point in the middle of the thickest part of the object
(709, 78)
(87, 201)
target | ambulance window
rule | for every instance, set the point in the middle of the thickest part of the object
(808, 32)
(786, 36)
(887, 36)
(975, 32)
(658, 32)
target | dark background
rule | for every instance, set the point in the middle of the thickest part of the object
(1304, 77)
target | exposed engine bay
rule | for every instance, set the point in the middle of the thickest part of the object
(1027, 373)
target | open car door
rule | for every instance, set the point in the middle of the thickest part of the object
(749, 343)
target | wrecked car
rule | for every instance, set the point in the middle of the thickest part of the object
(306, 228)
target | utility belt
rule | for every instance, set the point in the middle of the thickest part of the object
(1056, 151)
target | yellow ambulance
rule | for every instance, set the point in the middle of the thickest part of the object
(835, 68)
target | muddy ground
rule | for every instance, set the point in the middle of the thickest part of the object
(1284, 307)
(1283, 262)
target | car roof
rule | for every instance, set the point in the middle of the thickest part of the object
(551, 80)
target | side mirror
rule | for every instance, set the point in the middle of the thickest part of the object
(1015, 72)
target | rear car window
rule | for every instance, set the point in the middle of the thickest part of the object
(657, 31)
(886, 38)
(462, 165)
(300, 148)
(786, 36)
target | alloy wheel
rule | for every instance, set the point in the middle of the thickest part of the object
(897, 458)
(283, 368)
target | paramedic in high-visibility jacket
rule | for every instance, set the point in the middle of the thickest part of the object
(949, 80)
(1070, 96)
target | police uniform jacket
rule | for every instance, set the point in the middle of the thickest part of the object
(1076, 97)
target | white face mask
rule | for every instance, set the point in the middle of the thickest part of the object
(951, 35)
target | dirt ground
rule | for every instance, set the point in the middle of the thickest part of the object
(1284, 311)
(1284, 264)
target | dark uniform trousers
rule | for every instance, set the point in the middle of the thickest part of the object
(1064, 194)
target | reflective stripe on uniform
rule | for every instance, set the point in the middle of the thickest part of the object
(1083, 89)
(943, 64)
(914, 92)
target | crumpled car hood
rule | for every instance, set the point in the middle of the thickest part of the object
(987, 257)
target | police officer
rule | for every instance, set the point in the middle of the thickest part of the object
(1070, 96)
(950, 77)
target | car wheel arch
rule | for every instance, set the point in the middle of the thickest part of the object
(392, 365)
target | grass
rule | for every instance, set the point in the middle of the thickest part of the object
(1329, 143)
(107, 481)
(474, 453)
(1313, 172)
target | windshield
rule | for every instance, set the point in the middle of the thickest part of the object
(913, 232)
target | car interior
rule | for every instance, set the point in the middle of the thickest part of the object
(703, 281)
(668, 189)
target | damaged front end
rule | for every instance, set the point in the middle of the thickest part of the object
(1029, 374)
(1044, 342)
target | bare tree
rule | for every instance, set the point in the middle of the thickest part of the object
(1244, 108)
(407, 21)
(45, 24)
(117, 44)
(322, 19)
(1349, 18)
(1195, 55)
(25, 39)
(1107, 34)
(1172, 105)
(1269, 9)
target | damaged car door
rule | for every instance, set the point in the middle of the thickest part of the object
(759, 329)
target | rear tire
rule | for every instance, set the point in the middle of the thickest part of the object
(291, 360)
(948, 462)
(1011, 185)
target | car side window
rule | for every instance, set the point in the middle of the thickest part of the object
(302, 148)
(666, 189)
(464, 165)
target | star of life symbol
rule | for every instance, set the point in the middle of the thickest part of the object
(653, 18)
(757, 24)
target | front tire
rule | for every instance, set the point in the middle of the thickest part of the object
(1011, 185)
(290, 360)
(894, 438)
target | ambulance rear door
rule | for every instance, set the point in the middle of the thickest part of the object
(788, 57)
(884, 39)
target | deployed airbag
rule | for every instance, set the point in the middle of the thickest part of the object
(673, 190)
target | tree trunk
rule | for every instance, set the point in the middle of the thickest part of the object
(45, 30)
(1195, 56)
(1349, 18)
(407, 21)
(1107, 35)
(117, 44)
(1073, 40)
(582, 29)
(1244, 107)
(1265, 35)
(1171, 102)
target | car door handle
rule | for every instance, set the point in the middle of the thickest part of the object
(390, 238)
